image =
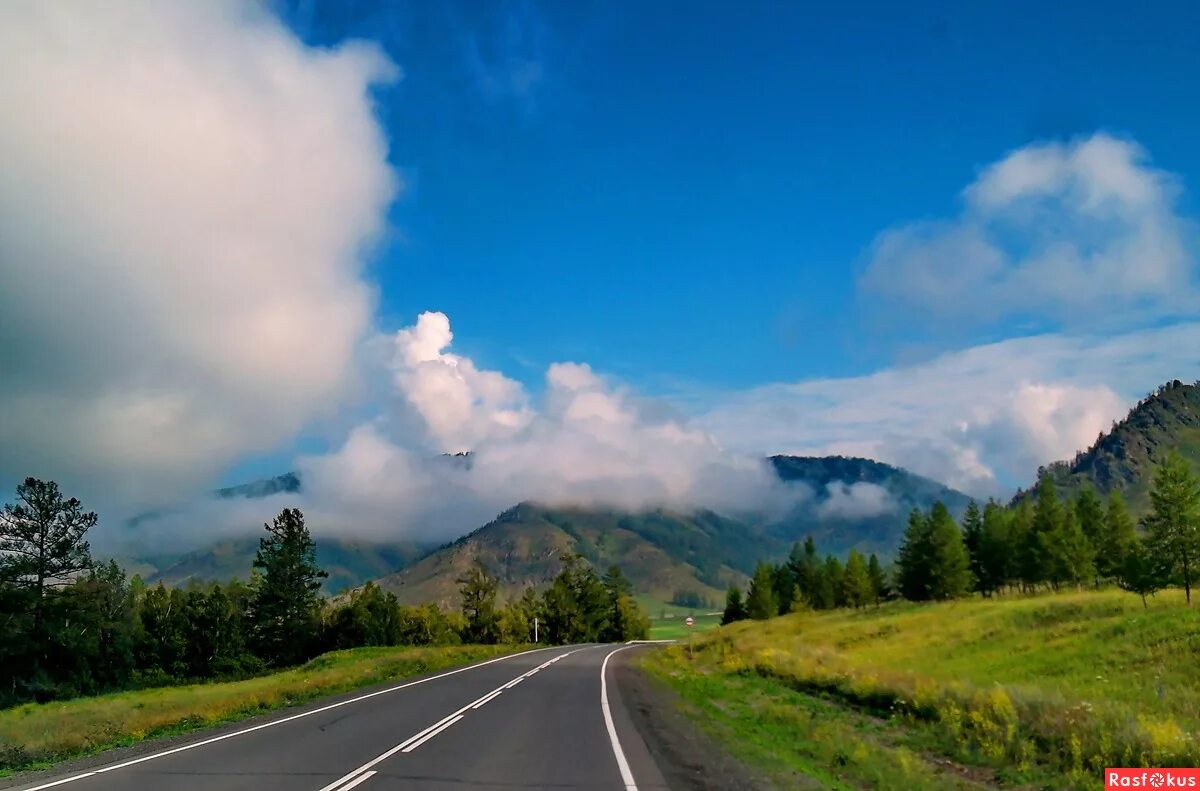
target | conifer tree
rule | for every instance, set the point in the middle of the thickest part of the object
(995, 550)
(760, 603)
(1118, 538)
(972, 530)
(286, 602)
(914, 558)
(735, 608)
(1173, 524)
(879, 581)
(856, 581)
(950, 569)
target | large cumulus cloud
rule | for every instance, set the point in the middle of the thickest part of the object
(186, 194)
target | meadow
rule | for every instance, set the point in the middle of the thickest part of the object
(34, 735)
(1044, 690)
(675, 627)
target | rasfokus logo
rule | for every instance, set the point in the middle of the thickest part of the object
(1151, 778)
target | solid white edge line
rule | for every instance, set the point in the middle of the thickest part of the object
(361, 779)
(430, 735)
(622, 764)
(273, 723)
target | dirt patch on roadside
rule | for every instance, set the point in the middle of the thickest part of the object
(689, 759)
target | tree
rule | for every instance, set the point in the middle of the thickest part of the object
(995, 550)
(879, 581)
(626, 621)
(1173, 524)
(805, 568)
(950, 567)
(914, 558)
(1141, 574)
(1026, 552)
(1038, 562)
(856, 581)
(478, 591)
(833, 574)
(1074, 556)
(735, 609)
(1117, 539)
(574, 609)
(972, 529)
(760, 603)
(42, 544)
(1089, 510)
(286, 602)
(784, 585)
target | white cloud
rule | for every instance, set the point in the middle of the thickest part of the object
(587, 443)
(858, 500)
(185, 197)
(1082, 234)
(981, 419)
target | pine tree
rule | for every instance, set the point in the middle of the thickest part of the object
(42, 543)
(286, 601)
(879, 582)
(760, 603)
(805, 569)
(972, 530)
(995, 550)
(1026, 553)
(1141, 573)
(950, 568)
(1046, 532)
(1173, 524)
(735, 609)
(478, 591)
(856, 581)
(784, 585)
(835, 573)
(914, 558)
(1118, 538)
(1075, 553)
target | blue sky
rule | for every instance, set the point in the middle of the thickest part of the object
(680, 193)
(616, 250)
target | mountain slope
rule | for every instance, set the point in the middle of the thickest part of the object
(1125, 458)
(663, 552)
(660, 552)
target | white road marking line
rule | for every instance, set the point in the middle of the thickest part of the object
(273, 723)
(491, 695)
(424, 735)
(622, 764)
(364, 777)
(430, 735)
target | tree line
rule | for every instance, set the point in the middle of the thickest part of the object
(1038, 542)
(72, 626)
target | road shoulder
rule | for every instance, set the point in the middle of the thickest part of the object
(687, 758)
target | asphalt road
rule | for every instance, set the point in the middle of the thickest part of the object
(543, 719)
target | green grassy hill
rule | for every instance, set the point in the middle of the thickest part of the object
(660, 552)
(1009, 692)
(1125, 457)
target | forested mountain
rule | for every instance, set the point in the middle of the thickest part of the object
(666, 554)
(1125, 457)
(843, 503)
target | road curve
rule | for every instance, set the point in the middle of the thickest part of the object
(550, 718)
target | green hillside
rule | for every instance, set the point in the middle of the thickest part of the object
(660, 552)
(1125, 457)
(1008, 692)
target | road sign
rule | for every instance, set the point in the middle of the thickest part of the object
(690, 621)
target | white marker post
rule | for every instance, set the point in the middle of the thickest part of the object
(689, 622)
(535, 628)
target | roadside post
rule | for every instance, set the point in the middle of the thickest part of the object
(689, 622)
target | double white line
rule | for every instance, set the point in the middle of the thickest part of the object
(362, 773)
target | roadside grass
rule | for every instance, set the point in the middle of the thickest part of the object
(36, 735)
(1048, 689)
(676, 629)
(841, 748)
